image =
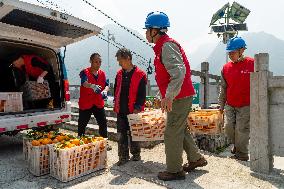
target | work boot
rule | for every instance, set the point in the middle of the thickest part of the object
(167, 176)
(245, 158)
(233, 150)
(122, 161)
(135, 157)
(190, 166)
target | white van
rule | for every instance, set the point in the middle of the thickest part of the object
(30, 29)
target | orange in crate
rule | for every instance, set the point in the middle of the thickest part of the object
(148, 125)
(71, 163)
(38, 159)
(205, 121)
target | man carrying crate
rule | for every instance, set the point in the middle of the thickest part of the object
(234, 97)
(129, 97)
(174, 81)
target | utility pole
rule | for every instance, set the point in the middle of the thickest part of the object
(109, 36)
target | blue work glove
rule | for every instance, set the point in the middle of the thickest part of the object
(97, 89)
(104, 95)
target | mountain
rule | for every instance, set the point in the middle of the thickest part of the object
(260, 42)
(77, 55)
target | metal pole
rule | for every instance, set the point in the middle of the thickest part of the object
(227, 35)
(108, 72)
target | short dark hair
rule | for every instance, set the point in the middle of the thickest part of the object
(124, 53)
(94, 55)
(14, 57)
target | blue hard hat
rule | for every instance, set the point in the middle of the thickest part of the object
(157, 19)
(235, 43)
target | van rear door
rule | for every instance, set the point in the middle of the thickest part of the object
(43, 26)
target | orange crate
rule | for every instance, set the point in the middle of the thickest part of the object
(71, 163)
(147, 126)
(11, 102)
(26, 147)
(38, 159)
(205, 121)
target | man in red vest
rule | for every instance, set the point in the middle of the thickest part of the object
(129, 98)
(173, 78)
(92, 93)
(37, 69)
(234, 97)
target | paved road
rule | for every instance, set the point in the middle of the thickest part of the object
(221, 172)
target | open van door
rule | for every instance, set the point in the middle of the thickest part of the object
(43, 26)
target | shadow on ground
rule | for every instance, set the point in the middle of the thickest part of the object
(148, 171)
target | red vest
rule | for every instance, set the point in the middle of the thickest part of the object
(133, 89)
(88, 98)
(237, 76)
(30, 70)
(163, 77)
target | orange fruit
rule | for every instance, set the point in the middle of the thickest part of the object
(76, 142)
(55, 141)
(60, 138)
(35, 143)
(46, 141)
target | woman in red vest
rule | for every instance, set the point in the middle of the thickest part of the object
(234, 97)
(38, 69)
(174, 81)
(92, 93)
(129, 97)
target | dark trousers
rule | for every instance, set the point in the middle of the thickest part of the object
(84, 118)
(124, 138)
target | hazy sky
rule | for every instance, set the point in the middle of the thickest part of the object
(189, 18)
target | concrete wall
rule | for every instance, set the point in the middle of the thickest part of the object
(266, 116)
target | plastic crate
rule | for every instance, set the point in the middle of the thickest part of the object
(11, 102)
(38, 159)
(26, 147)
(205, 121)
(71, 163)
(147, 126)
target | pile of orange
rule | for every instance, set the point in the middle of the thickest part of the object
(44, 138)
(65, 144)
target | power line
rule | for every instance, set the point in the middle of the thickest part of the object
(115, 44)
(119, 45)
(125, 28)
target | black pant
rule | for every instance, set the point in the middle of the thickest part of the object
(124, 138)
(84, 118)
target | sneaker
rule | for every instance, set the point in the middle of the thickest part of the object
(167, 176)
(135, 158)
(190, 166)
(245, 158)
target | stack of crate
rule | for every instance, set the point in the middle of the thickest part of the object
(11, 102)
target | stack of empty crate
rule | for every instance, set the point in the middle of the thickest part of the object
(11, 102)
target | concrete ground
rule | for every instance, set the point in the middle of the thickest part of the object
(221, 172)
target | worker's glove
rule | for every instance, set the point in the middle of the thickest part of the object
(104, 95)
(97, 89)
(40, 80)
